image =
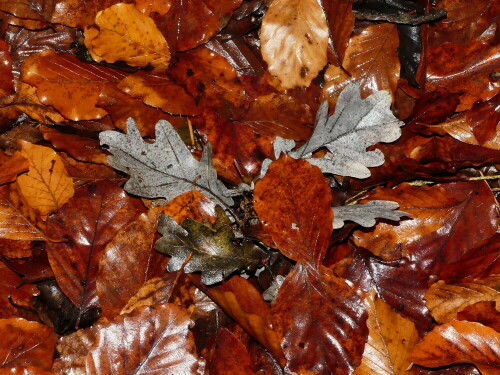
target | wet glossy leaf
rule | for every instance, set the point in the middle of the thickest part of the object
(460, 342)
(129, 254)
(365, 214)
(294, 39)
(26, 343)
(88, 222)
(10, 292)
(21, 370)
(230, 356)
(372, 59)
(447, 207)
(446, 300)
(390, 341)
(47, 186)
(153, 339)
(321, 322)
(341, 23)
(356, 124)
(61, 75)
(197, 247)
(122, 32)
(293, 203)
(7, 80)
(484, 312)
(165, 168)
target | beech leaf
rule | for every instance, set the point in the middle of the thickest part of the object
(164, 169)
(356, 124)
(365, 214)
(212, 252)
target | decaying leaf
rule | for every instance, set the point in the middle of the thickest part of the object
(164, 169)
(122, 32)
(211, 251)
(294, 38)
(46, 186)
(356, 124)
(365, 214)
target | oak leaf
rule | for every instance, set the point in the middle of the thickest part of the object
(122, 32)
(365, 214)
(47, 186)
(294, 39)
(198, 247)
(165, 168)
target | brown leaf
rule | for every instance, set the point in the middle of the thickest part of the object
(192, 204)
(130, 255)
(11, 166)
(158, 6)
(26, 343)
(460, 342)
(7, 79)
(21, 370)
(482, 312)
(88, 222)
(294, 39)
(47, 186)
(372, 59)
(10, 292)
(446, 300)
(465, 70)
(293, 203)
(59, 75)
(122, 32)
(159, 91)
(321, 322)
(336, 79)
(390, 341)
(153, 339)
(230, 356)
(76, 13)
(439, 231)
(241, 301)
(17, 220)
(190, 23)
(341, 23)
(81, 148)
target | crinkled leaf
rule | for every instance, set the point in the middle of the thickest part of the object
(212, 252)
(356, 124)
(365, 214)
(164, 169)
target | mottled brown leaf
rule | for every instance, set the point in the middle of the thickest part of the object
(26, 343)
(484, 312)
(460, 342)
(88, 222)
(153, 339)
(321, 322)
(293, 203)
(11, 166)
(230, 356)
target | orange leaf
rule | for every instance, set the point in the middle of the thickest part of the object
(26, 343)
(230, 356)
(47, 186)
(390, 341)
(460, 342)
(192, 204)
(122, 32)
(372, 59)
(11, 292)
(11, 166)
(157, 6)
(293, 203)
(21, 370)
(445, 301)
(294, 39)
(60, 75)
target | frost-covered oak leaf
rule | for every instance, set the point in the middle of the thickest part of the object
(165, 168)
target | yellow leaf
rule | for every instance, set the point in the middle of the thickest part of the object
(294, 40)
(122, 32)
(46, 186)
(390, 341)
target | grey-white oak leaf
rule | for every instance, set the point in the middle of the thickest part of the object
(365, 214)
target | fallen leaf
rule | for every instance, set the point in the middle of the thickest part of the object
(371, 57)
(122, 32)
(157, 6)
(320, 321)
(447, 207)
(482, 312)
(294, 39)
(293, 204)
(390, 342)
(197, 247)
(154, 339)
(7, 80)
(88, 222)
(446, 300)
(230, 356)
(192, 205)
(11, 166)
(129, 254)
(341, 24)
(47, 186)
(460, 342)
(22, 370)
(10, 291)
(365, 214)
(26, 343)
(165, 168)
